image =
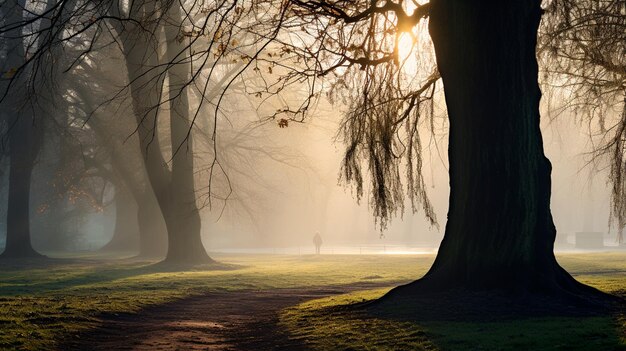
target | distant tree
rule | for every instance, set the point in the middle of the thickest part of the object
(39, 100)
(139, 224)
(175, 53)
(22, 113)
(174, 188)
(64, 188)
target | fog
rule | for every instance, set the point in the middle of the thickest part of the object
(260, 185)
(314, 201)
(278, 203)
(304, 174)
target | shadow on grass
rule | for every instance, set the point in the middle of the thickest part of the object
(546, 333)
(48, 274)
(602, 330)
(349, 322)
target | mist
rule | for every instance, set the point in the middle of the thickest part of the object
(312, 175)
(292, 196)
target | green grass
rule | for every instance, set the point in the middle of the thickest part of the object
(324, 325)
(39, 307)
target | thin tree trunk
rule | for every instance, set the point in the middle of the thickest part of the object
(146, 90)
(500, 232)
(126, 232)
(23, 148)
(182, 216)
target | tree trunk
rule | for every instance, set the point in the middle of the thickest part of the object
(181, 217)
(500, 232)
(152, 229)
(24, 143)
(126, 232)
(146, 91)
(138, 226)
(174, 190)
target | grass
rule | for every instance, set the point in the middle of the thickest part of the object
(41, 306)
(324, 324)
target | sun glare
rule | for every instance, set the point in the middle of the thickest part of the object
(406, 55)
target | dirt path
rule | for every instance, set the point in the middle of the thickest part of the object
(241, 320)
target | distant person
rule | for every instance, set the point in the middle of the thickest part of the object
(317, 240)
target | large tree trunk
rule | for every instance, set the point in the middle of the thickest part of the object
(500, 232)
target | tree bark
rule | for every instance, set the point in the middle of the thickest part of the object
(500, 232)
(24, 143)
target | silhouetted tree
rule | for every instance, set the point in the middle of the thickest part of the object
(500, 233)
